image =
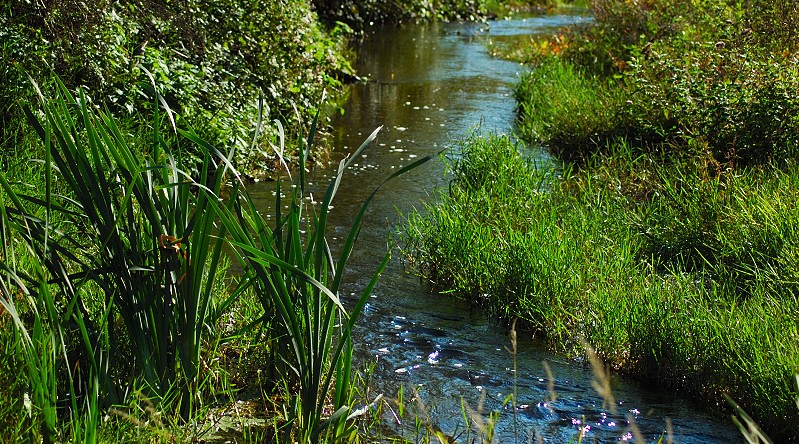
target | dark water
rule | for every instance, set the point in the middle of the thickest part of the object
(427, 85)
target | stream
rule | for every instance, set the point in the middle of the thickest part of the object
(429, 85)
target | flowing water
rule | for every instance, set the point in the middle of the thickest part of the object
(430, 84)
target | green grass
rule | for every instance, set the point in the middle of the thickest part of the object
(114, 277)
(676, 277)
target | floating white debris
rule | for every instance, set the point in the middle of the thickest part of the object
(415, 107)
(400, 128)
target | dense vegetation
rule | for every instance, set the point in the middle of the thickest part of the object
(666, 237)
(211, 59)
(360, 13)
(116, 301)
(127, 128)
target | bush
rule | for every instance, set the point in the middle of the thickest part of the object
(211, 59)
(360, 13)
(741, 104)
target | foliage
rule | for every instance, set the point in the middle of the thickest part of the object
(679, 277)
(569, 111)
(360, 14)
(668, 71)
(119, 256)
(134, 227)
(210, 58)
(297, 281)
(740, 104)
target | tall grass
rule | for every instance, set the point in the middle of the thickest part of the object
(570, 111)
(298, 281)
(678, 278)
(106, 217)
(121, 253)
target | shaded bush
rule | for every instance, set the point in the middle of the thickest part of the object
(210, 58)
(361, 13)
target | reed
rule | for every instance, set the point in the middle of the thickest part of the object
(297, 280)
(122, 253)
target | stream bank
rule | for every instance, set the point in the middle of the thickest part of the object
(429, 85)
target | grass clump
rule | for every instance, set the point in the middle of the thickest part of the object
(569, 110)
(676, 276)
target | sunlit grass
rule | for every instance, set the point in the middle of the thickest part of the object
(684, 285)
(114, 287)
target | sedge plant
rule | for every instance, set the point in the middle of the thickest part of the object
(132, 225)
(298, 282)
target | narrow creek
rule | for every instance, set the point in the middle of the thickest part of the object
(428, 85)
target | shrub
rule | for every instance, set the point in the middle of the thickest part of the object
(211, 58)
(741, 104)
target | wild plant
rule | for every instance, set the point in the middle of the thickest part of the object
(298, 282)
(135, 226)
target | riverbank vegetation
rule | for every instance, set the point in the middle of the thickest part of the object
(666, 235)
(359, 13)
(212, 61)
(127, 131)
(120, 319)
